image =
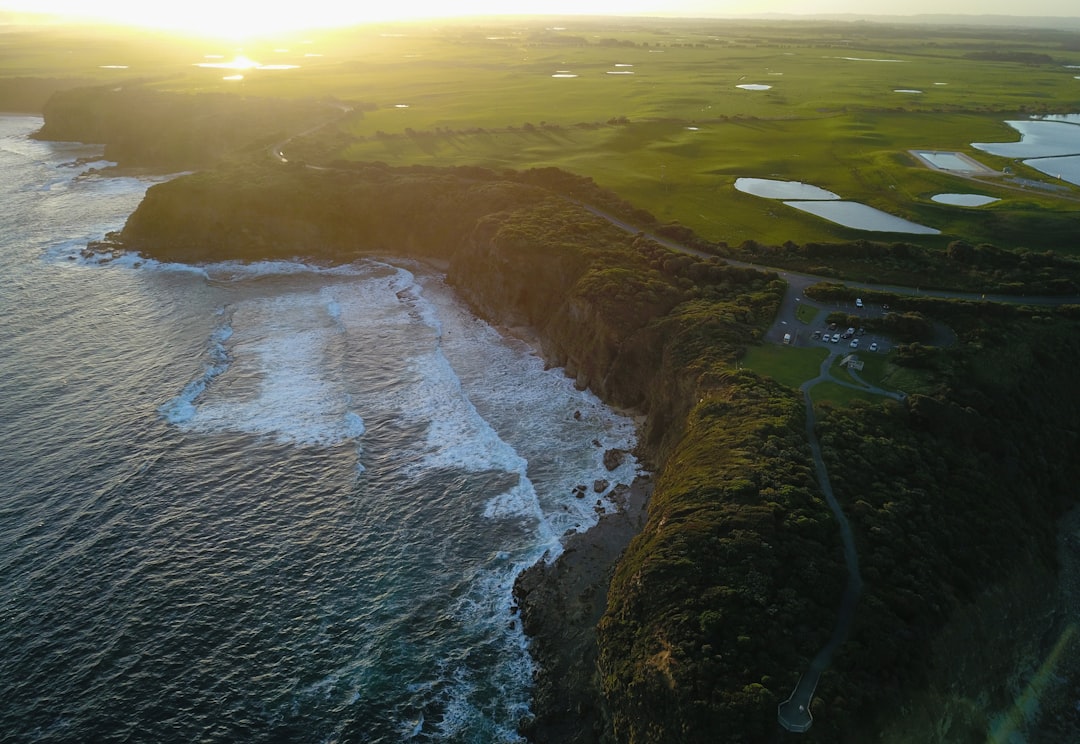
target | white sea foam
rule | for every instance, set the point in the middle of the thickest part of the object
(556, 432)
(181, 409)
(237, 271)
(275, 383)
(486, 608)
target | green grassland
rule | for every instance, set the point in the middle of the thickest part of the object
(788, 365)
(673, 136)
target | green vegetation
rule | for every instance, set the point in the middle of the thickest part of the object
(670, 138)
(841, 395)
(807, 314)
(788, 365)
(732, 585)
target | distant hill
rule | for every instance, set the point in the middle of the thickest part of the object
(1059, 23)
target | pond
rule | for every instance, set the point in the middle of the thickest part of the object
(963, 200)
(1065, 168)
(951, 161)
(771, 189)
(868, 59)
(1038, 139)
(861, 217)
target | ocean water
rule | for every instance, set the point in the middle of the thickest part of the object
(270, 502)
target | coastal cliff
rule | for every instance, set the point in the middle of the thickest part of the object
(148, 128)
(732, 584)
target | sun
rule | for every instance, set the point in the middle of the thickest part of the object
(242, 19)
(233, 20)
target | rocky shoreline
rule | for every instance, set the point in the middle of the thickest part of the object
(560, 604)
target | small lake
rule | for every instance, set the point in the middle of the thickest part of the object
(861, 217)
(1038, 139)
(963, 200)
(1065, 168)
(754, 86)
(951, 161)
(770, 189)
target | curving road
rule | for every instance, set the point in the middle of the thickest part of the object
(797, 281)
(794, 713)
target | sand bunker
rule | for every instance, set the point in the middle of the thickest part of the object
(754, 86)
(906, 90)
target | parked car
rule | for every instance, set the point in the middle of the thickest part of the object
(858, 302)
(850, 332)
(873, 346)
(836, 338)
(816, 334)
(854, 343)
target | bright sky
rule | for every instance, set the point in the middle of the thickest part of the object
(243, 18)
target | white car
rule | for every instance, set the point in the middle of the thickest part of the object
(858, 302)
(873, 346)
(854, 343)
(836, 338)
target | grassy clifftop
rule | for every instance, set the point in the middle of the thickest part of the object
(732, 586)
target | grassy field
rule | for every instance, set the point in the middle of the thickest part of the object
(787, 365)
(839, 395)
(654, 112)
(807, 313)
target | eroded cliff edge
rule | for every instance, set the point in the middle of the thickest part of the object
(732, 584)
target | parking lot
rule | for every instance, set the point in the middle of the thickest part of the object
(790, 329)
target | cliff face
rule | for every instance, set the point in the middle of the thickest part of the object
(140, 126)
(732, 585)
(518, 254)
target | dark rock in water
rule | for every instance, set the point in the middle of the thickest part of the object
(577, 415)
(600, 485)
(613, 458)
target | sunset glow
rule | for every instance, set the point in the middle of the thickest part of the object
(239, 20)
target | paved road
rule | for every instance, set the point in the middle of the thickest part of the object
(798, 282)
(794, 713)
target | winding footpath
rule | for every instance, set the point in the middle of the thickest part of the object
(794, 713)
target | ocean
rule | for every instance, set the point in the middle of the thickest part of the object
(273, 502)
